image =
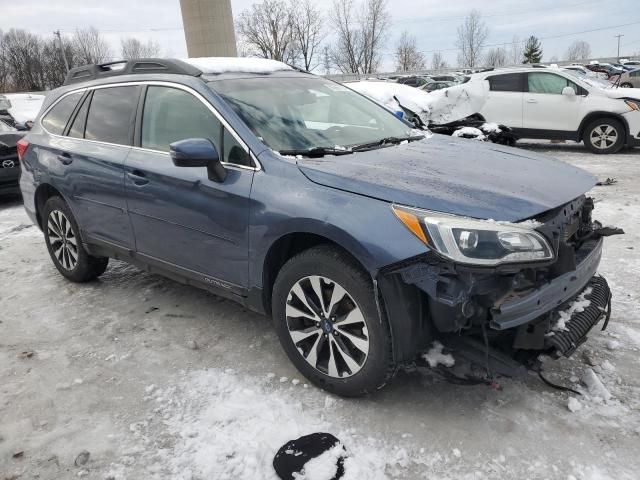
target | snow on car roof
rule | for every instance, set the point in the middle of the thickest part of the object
(24, 106)
(219, 65)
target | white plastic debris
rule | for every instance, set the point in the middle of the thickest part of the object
(574, 405)
(594, 385)
(435, 357)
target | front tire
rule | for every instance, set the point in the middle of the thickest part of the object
(626, 85)
(62, 236)
(327, 320)
(604, 136)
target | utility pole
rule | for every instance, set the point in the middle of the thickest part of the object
(618, 37)
(64, 57)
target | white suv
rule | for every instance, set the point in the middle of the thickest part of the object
(554, 104)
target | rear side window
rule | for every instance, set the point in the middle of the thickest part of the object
(510, 82)
(171, 114)
(58, 116)
(110, 117)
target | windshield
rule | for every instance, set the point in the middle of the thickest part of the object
(592, 81)
(303, 113)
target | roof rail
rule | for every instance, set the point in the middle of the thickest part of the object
(129, 67)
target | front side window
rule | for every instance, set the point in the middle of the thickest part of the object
(171, 114)
(549, 83)
(299, 113)
(110, 117)
(510, 82)
(56, 120)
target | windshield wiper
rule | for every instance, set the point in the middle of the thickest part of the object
(315, 152)
(385, 141)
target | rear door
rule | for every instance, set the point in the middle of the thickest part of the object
(180, 217)
(504, 100)
(545, 108)
(98, 140)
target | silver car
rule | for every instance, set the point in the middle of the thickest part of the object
(630, 79)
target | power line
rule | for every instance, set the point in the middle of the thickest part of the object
(551, 37)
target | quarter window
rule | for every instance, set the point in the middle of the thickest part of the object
(549, 83)
(111, 113)
(510, 82)
(171, 114)
(56, 120)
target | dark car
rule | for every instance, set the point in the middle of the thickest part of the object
(9, 164)
(433, 86)
(414, 81)
(306, 201)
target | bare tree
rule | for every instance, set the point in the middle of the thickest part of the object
(132, 48)
(516, 51)
(496, 57)
(90, 47)
(375, 21)
(408, 57)
(578, 50)
(266, 29)
(306, 28)
(360, 34)
(471, 37)
(438, 62)
(22, 54)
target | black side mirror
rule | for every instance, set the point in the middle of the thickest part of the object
(198, 152)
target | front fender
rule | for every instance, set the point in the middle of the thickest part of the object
(284, 201)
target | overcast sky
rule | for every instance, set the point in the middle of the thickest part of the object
(432, 22)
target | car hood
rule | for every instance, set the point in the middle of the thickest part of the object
(456, 176)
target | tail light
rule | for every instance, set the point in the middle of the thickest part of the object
(22, 147)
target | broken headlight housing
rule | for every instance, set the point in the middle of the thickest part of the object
(476, 242)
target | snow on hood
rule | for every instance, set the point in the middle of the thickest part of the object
(218, 65)
(438, 107)
(24, 106)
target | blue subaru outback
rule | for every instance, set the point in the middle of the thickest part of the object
(365, 239)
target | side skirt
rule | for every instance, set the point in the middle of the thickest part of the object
(546, 134)
(239, 294)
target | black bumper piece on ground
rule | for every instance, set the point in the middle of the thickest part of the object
(565, 342)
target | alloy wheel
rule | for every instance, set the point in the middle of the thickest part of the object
(64, 244)
(327, 326)
(604, 136)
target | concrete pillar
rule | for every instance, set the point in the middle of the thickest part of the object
(208, 28)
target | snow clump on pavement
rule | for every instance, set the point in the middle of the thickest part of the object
(435, 357)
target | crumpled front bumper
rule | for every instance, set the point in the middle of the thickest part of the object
(522, 310)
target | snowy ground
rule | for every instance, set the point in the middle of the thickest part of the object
(159, 380)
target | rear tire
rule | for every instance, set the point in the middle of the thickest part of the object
(62, 236)
(626, 85)
(338, 342)
(604, 136)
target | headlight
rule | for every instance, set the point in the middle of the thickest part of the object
(475, 242)
(633, 104)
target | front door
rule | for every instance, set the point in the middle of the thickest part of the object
(546, 108)
(180, 217)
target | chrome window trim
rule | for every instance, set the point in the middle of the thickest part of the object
(161, 83)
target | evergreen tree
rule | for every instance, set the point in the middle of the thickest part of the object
(532, 50)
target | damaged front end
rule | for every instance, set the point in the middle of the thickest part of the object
(504, 315)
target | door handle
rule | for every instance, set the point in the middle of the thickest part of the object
(64, 158)
(532, 100)
(138, 177)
